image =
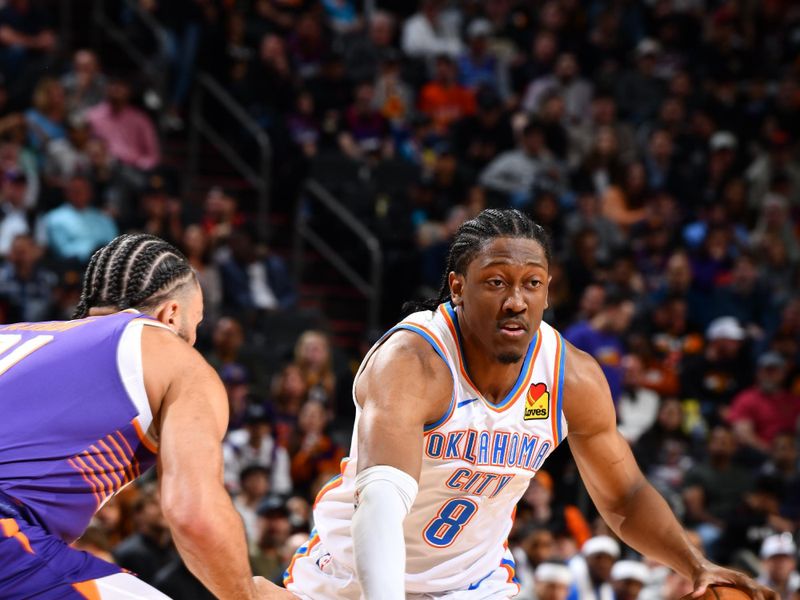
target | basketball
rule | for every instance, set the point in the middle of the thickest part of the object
(725, 593)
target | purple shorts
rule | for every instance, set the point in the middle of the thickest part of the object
(37, 564)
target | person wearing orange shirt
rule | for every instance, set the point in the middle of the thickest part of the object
(443, 99)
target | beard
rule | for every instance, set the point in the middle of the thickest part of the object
(508, 358)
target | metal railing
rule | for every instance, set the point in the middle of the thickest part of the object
(153, 68)
(304, 234)
(259, 176)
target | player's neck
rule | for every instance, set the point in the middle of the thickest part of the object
(494, 379)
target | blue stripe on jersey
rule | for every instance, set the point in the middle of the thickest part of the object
(561, 364)
(522, 373)
(413, 328)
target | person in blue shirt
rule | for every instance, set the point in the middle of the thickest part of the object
(76, 229)
(601, 336)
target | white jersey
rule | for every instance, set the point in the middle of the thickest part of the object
(478, 460)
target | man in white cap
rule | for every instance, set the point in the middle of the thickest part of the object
(592, 568)
(779, 565)
(553, 581)
(628, 577)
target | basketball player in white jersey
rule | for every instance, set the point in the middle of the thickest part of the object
(458, 407)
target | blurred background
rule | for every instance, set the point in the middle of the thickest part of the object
(313, 158)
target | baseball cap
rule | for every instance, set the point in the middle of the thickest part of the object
(725, 328)
(274, 506)
(601, 544)
(771, 359)
(723, 140)
(630, 569)
(553, 572)
(781, 544)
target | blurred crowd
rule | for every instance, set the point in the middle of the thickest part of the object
(656, 141)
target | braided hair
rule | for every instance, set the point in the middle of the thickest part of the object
(133, 271)
(469, 239)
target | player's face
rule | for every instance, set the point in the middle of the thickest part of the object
(502, 296)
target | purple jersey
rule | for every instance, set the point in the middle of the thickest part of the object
(70, 434)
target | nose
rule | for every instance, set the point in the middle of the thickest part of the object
(514, 302)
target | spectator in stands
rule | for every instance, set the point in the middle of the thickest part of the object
(365, 132)
(150, 547)
(639, 91)
(428, 33)
(443, 99)
(363, 54)
(552, 581)
(478, 138)
(394, 99)
(65, 156)
(637, 407)
(628, 578)
(221, 215)
(85, 84)
(591, 569)
(722, 370)
(25, 37)
(236, 380)
(274, 531)
(47, 119)
(566, 82)
(536, 546)
(255, 444)
(713, 489)
(159, 210)
(16, 156)
(745, 297)
(515, 172)
(196, 245)
(783, 465)
(601, 337)
(779, 562)
(315, 456)
(304, 128)
(253, 281)
(763, 411)
(314, 358)
(253, 487)
(24, 283)
(13, 191)
(76, 229)
(776, 161)
(624, 201)
(128, 131)
(268, 87)
(477, 65)
(289, 393)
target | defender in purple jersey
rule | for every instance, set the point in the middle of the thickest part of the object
(92, 403)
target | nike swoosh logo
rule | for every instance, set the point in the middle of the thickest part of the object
(465, 402)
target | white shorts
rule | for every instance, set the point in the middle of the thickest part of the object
(314, 574)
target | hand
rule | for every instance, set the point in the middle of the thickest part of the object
(712, 574)
(269, 591)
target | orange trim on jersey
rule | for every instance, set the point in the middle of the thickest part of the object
(122, 456)
(554, 416)
(101, 471)
(11, 529)
(115, 459)
(134, 462)
(97, 496)
(87, 589)
(333, 483)
(93, 476)
(309, 545)
(109, 468)
(144, 438)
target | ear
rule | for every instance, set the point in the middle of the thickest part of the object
(167, 313)
(547, 295)
(456, 282)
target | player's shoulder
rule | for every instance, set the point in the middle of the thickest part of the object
(587, 400)
(406, 352)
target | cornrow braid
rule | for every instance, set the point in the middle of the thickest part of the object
(132, 271)
(469, 239)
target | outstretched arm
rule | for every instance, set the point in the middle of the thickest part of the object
(628, 503)
(404, 386)
(192, 419)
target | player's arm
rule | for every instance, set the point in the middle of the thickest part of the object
(404, 386)
(192, 420)
(627, 502)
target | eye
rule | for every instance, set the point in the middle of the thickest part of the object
(495, 282)
(535, 283)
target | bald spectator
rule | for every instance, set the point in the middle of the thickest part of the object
(128, 131)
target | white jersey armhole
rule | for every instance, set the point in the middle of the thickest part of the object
(131, 372)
